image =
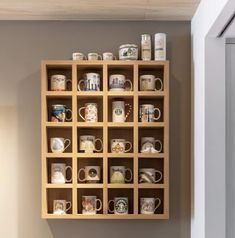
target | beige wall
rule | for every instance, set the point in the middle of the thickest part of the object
(22, 46)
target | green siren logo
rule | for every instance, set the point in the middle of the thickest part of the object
(121, 206)
(118, 111)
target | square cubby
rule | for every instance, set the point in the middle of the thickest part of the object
(59, 200)
(59, 140)
(90, 170)
(151, 201)
(90, 201)
(59, 170)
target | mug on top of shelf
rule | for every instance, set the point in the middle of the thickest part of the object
(58, 173)
(60, 207)
(147, 113)
(59, 113)
(91, 112)
(148, 206)
(119, 146)
(118, 111)
(78, 56)
(108, 56)
(120, 206)
(91, 82)
(88, 142)
(58, 144)
(59, 82)
(94, 56)
(89, 205)
(150, 145)
(148, 175)
(91, 174)
(118, 174)
(117, 82)
(149, 83)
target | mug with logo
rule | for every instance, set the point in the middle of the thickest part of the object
(149, 83)
(118, 111)
(118, 174)
(58, 144)
(88, 144)
(60, 207)
(148, 175)
(120, 206)
(91, 174)
(117, 82)
(91, 82)
(108, 56)
(59, 113)
(147, 113)
(78, 56)
(148, 206)
(150, 145)
(90, 205)
(59, 82)
(94, 56)
(58, 173)
(91, 112)
(119, 146)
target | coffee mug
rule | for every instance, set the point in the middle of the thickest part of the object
(150, 145)
(60, 207)
(120, 206)
(91, 112)
(58, 144)
(147, 113)
(108, 56)
(78, 56)
(149, 83)
(118, 111)
(148, 206)
(94, 56)
(58, 173)
(118, 174)
(91, 82)
(88, 142)
(119, 146)
(89, 205)
(59, 82)
(117, 82)
(59, 113)
(91, 174)
(148, 175)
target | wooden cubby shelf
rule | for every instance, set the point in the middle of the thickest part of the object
(132, 130)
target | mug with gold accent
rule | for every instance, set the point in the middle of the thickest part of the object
(119, 146)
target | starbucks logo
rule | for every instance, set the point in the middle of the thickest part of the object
(121, 206)
(92, 173)
(118, 111)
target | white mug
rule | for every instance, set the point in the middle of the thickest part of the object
(118, 111)
(78, 56)
(147, 113)
(148, 175)
(119, 146)
(117, 82)
(108, 56)
(91, 82)
(58, 144)
(149, 83)
(91, 174)
(91, 112)
(59, 82)
(150, 145)
(89, 205)
(58, 173)
(118, 174)
(60, 207)
(88, 142)
(148, 206)
(94, 56)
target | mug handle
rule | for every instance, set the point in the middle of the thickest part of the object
(131, 85)
(70, 118)
(100, 207)
(101, 143)
(159, 113)
(69, 142)
(68, 180)
(79, 113)
(129, 111)
(161, 83)
(160, 177)
(68, 81)
(111, 211)
(129, 170)
(158, 204)
(99, 56)
(79, 172)
(79, 84)
(129, 143)
(160, 145)
(70, 205)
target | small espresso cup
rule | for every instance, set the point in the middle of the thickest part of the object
(118, 174)
(149, 82)
(90, 81)
(94, 56)
(147, 112)
(90, 205)
(148, 175)
(91, 174)
(59, 82)
(118, 111)
(119, 146)
(91, 112)
(88, 144)
(117, 82)
(59, 113)
(78, 56)
(58, 173)
(60, 207)
(148, 206)
(108, 56)
(58, 144)
(120, 206)
(150, 145)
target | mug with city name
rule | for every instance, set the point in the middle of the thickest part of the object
(60, 113)
(91, 174)
(90, 111)
(58, 173)
(59, 82)
(88, 144)
(148, 175)
(90, 82)
(118, 174)
(149, 205)
(150, 145)
(147, 112)
(118, 82)
(59, 144)
(150, 83)
(119, 204)
(90, 205)
(60, 207)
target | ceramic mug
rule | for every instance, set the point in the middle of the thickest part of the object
(89, 205)
(94, 56)
(108, 56)
(117, 82)
(88, 144)
(60, 207)
(120, 206)
(58, 144)
(150, 145)
(148, 175)
(78, 56)
(148, 206)
(91, 112)
(91, 82)
(58, 173)
(91, 174)
(147, 113)
(149, 83)
(119, 146)
(118, 174)
(118, 111)
(59, 82)
(59, 113)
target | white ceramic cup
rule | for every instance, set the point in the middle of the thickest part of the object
(147, 112)
(108, 56)
(60, 207)
(90, 81)
(117, 82)
(150, 83)
(59, 82)
(94, 56)
(119, 146)
(148, 206)
(58, 144)
(148, 175)
(91, 174)
(78, 56)
(120, 206)
(118, 111)
(88, 144)
(58, 173)
(150, 145)
(91, 112)
(90, 205)
(118, 174)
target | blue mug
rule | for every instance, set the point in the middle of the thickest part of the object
(59, 113)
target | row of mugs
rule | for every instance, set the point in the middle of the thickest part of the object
(92, 174)
(117, 206)
(89, 144)
(93, 56)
